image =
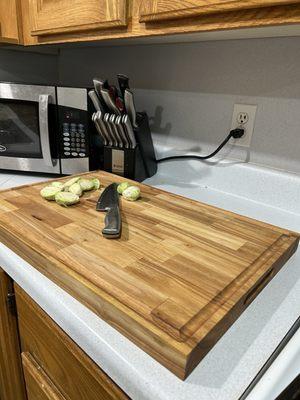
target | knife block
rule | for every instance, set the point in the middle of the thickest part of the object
(138, 163)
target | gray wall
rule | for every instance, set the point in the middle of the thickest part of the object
(189, 90)
(27, 67)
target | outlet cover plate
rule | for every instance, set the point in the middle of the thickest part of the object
(250, 109)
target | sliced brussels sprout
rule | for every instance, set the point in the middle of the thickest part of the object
(122, 186)
(76, 189)
(70, 182)
(49, 192)
(58, 184)
(96, 183)
(132, 193)
(86, 184)
(66, 198)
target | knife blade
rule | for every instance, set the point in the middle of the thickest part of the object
(109, 203)
(130, 106)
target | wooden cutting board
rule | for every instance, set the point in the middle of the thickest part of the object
(180, 275)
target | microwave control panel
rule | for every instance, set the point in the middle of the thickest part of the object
(73, 131)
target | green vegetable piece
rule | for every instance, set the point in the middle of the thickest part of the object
(66, 198)
(49, 192)
(132, 193)
(86, 184)
(76, 189)
(122, 186)
(70, 182)
(96, 183)
(58, 185)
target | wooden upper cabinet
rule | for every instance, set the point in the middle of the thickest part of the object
(10, 22)
(161, 10)
(51, 17)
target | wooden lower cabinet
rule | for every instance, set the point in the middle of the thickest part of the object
(11, 377)
(54, 366)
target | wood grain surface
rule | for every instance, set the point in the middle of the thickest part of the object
(38, 384)
(53, 364)
(265, 13)
(160, 10)
(57, 17)
(10, 22)
(181, 273)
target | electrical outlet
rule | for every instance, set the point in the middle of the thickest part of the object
(243, 117)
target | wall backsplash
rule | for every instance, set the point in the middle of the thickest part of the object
(27, 67)
(189, 90)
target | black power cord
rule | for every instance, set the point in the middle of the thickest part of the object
(235, 133)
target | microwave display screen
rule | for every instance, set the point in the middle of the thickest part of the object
(19, 129)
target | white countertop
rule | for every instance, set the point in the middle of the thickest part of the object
(231, 365)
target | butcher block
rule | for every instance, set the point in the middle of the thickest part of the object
(179, 276)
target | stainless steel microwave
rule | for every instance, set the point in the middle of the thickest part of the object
(47, 129)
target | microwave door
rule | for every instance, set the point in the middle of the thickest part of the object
(28, 128)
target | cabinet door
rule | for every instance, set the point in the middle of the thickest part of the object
(160, 10)
(66, 16)
(11, 377)
(38, 384)
(10, 21)
(72, 372)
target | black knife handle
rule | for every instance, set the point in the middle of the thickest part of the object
(113, 223)
(123, 81)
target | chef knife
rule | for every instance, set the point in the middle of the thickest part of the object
(109, 203)
(130, 107)
(123, 81)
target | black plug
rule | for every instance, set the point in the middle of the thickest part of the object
(237, 133)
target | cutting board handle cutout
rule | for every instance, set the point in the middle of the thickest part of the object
(258, 287)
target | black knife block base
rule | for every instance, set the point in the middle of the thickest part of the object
(138, 163)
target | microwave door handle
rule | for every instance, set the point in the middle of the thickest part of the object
(44, 129)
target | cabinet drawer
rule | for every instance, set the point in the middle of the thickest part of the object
(72, 372)
(38, 384)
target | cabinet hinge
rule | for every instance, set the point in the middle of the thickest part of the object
(11, 303)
